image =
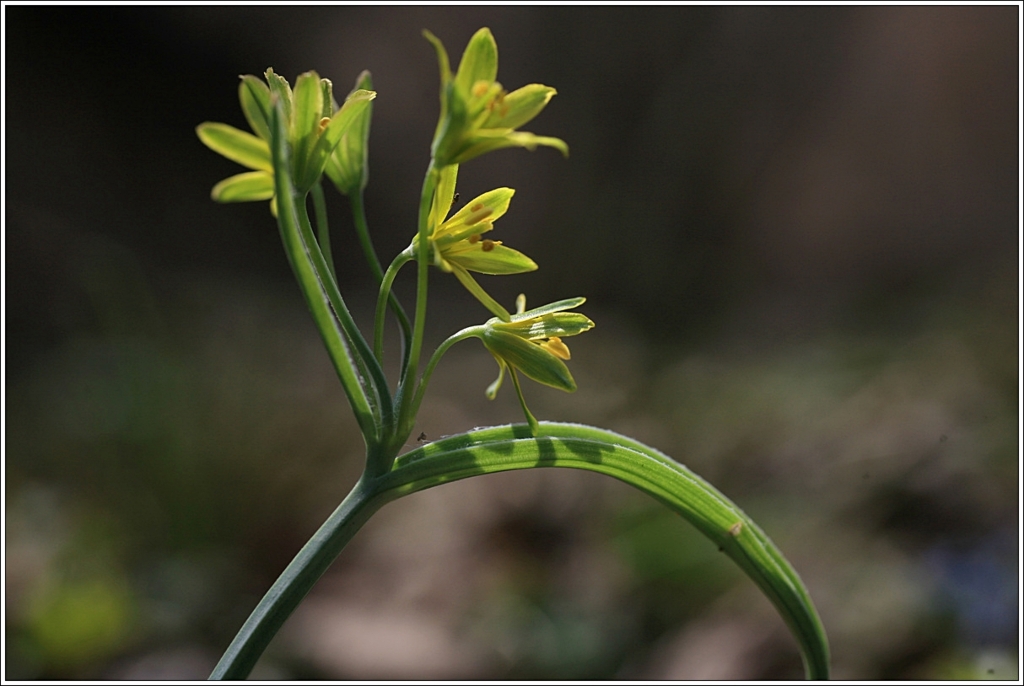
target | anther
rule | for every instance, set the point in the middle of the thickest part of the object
(556, 347)
(487, 245)
(323, 124)
(475, 238)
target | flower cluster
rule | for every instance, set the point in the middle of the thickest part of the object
(320, 138)
(315, 125)
(478, 116)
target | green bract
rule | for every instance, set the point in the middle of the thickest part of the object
(477, 115)
(315, 127)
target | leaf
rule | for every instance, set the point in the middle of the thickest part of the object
(577, 446)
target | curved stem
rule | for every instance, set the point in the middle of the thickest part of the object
(322, 231)
(296, 581)
(363, 232)
(468, 332)
(364, 357)
(383, 298)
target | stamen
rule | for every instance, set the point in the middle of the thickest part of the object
(480, 88)
(487, 245)
(556, 347)
(475, 238)
(323, 124)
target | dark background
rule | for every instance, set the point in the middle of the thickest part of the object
(797, 229)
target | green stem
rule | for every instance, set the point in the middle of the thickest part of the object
(467, 280)
(312, 287)
(530, 419)
(363, 232)
(297, 580)
(364, 356)
(323, 233)
(383, 297)
(435, 358)
(406, 388)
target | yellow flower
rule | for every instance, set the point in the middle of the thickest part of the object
(477, 114)
(458, 245)
(531, 342)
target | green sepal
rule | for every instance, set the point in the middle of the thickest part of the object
(561, 305)
(479, 61)
(254, 185)
(499, 260)
(279, 86)
(331, 136)
(308, 103)
(520, 106)
(529, 358)
(451, 127)
(547, 325)
(347, 165)
(255, 98)
(444, 195)
(236, 145)
(476, 217)
(496, 139)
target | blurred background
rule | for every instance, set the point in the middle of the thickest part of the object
(797, 229)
